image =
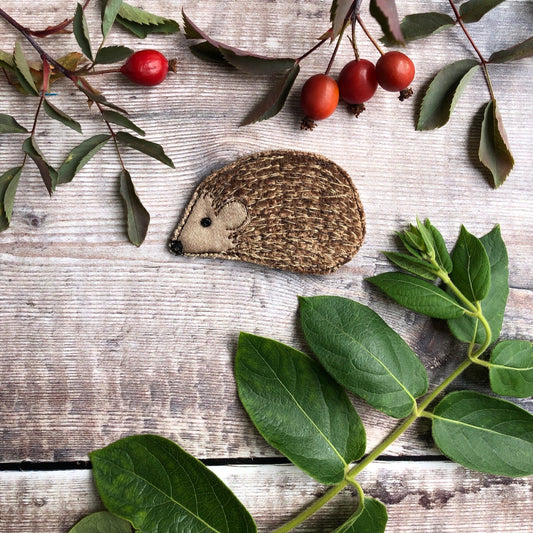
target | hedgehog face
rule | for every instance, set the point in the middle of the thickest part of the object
(207, 230)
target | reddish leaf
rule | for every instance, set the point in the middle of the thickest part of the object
(338, 13)
(494, 151)
(385, 12)
(48, 173)
(275, 99)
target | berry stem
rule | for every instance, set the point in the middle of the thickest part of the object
(352, 39)
(369, 35)
(476, 49)
(330, 64)
(311, 50)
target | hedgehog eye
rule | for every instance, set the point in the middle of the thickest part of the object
(205, 222)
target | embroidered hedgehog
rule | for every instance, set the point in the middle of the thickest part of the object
(288, 210)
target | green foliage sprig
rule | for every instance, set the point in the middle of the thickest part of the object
(300, 406)
(442, 94)
(35, 78)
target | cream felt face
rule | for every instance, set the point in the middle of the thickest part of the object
(206, 231)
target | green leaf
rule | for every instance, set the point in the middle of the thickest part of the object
(484, 433)
(427, 237)
(412, 264)
(420, 25)
(138, 218)
(494, 151)
(493, 306)
(363, 353)
(298, 408)
(157, 486)
(418, 295)
(143, 30)
(444, 92)
(386, 14)
(102, 522)
(6, 61)
(109, 15)
(274, 100)
(146, 147)
(81, 32)
(53, 112)
(441, 252)
(338, 13)
(471, 267)
(511, 373)
(48, 173)
(8, 188)
(516, 52)
(22, 70)
(9, 125)
(371, 519)
(121, 120)
(112, 54)
(474, 10)
(79, 156)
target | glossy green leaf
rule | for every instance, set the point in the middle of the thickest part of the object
(298, 408)
(471, 267)
(474, 10)
(121, 120)
(511, 373)
(22, 70)
(441, 251)
(146, 147)
(9, 125)
(484, 433)
(412, 264)
(444, 92)
(53, 112)
(109, 14)
(518, 51)
(338, 12)
(138, 218)
(371, 519)
(102, 522)
(363, 353)
(418, 295)
(158, 487)
(275, 99)
(79, 156)
(386, 14)
(112, 54)
(80, 29)
(420, 25)
(494, 151)
(48, 173)
(493, 306)
(8, 188)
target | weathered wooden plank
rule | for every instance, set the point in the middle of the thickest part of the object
(101, 339)
(421, 496)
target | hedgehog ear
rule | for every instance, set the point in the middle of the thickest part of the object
(233, 214)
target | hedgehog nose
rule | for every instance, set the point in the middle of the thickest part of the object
(176, 247)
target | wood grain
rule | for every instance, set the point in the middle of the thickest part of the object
(101, 339)
(423, 497)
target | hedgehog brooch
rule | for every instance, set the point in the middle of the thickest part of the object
(288, 210)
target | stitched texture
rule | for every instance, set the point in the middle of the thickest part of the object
(297, 211)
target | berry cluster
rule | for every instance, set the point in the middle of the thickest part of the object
(356, 84)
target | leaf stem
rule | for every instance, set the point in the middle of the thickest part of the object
(313, 508)
(369, 35)
(476, 49)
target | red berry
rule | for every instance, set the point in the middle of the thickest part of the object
(146, 67)
(395, 71)
(357, 81)
(320, 96)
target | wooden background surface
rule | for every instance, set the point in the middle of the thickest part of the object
(101, 340)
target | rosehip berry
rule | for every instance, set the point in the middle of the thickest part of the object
(146, 67)
(395, 71)
(357, 81)
(320, 96)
